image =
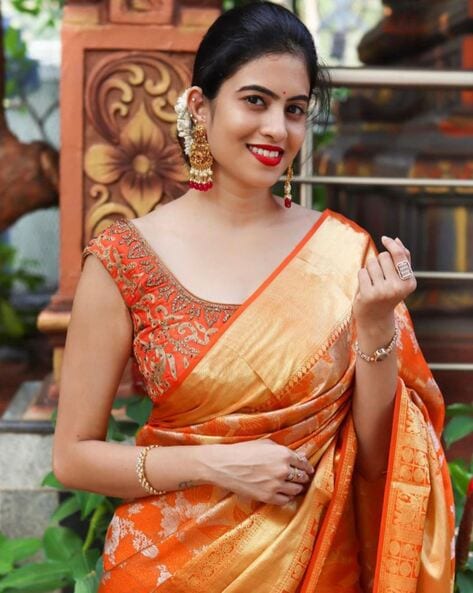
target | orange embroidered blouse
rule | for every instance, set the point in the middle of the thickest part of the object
(171, 326)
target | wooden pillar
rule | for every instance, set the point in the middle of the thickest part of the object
(124, 63)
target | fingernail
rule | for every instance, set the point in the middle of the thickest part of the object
(383, 238)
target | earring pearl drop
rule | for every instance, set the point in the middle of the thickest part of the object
(287, 187)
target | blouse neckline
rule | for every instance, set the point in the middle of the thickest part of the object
(214, 304)
(154, 255)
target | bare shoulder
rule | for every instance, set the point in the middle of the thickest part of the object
(298, 216)
(164, 217)
(308, 214)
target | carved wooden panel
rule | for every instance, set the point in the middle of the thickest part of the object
(156, 12)
(132, 160)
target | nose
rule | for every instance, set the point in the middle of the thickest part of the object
(274, 125)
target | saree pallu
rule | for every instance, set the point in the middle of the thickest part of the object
(282, 368)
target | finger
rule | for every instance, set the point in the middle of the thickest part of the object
(388, 267)
(397, 251)
(301, 462)
(364, 281)
(290, 489)
(297, 476)
(408, 253)
(280, 499)
(375, 271)
(401, 259)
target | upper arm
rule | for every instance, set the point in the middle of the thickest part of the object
(98, 346)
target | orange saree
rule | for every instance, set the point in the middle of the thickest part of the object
(279, 366)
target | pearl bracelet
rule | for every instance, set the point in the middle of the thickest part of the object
(140, 471)
(381, 353)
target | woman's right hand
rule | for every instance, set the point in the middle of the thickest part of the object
(258, 469)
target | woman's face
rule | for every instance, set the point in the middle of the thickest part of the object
(257, 122)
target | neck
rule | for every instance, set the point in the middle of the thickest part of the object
(235, 205)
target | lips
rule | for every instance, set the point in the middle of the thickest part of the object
(266, 154)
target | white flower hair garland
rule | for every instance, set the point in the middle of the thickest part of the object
(184, 121)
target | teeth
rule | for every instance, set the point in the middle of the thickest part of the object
(272, 154)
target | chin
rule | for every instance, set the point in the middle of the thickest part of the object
(260, 183)
(263, 179)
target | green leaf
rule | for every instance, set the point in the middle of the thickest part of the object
(66, 509)
(122, 402)
(127, 429)
(458, 428)
(139, 410)
(464, 582)
(54, 417)
(51, 481)
(99, 568)
(15, 47)
(113, 432)
(460, 476)
(19, 548)
(83, 564)
(37, 578)
(61, 543)
(6, 562)
(10, 320)
(459, 409)
(88, 584)
(88, 502)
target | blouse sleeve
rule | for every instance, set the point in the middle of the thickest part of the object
(111, 248)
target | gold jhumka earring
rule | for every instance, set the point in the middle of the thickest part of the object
(287, 187)
(201, 160)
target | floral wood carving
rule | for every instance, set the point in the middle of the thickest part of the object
(132, 159)
(155, 12)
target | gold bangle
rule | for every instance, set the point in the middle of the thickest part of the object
(140, 471)
(379, 354)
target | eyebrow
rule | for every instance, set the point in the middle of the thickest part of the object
(273, 95)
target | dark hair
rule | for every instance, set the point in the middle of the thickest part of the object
(251, 31)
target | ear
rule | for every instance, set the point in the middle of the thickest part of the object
(198, 105)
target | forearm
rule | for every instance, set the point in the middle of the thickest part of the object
(110, 468)
(373, 400)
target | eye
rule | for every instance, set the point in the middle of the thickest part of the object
(296, 110)
(254, 100)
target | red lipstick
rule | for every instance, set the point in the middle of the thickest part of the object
(269, 161)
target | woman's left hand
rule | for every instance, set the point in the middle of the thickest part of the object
(380, 286)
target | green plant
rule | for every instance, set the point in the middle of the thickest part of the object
(21, 71)
(67, 558)
(460, 426)
(14, 323)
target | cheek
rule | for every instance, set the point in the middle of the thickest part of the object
(297, 133)
(236, 128)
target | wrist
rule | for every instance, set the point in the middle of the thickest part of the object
(376, 330)
(376, 340)
(203, 457)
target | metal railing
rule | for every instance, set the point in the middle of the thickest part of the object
(379, 78)
(396, 79)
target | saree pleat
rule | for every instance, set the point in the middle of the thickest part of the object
(283, 368)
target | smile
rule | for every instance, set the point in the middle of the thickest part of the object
(268, 155)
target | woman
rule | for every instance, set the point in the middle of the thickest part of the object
(318, 465)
